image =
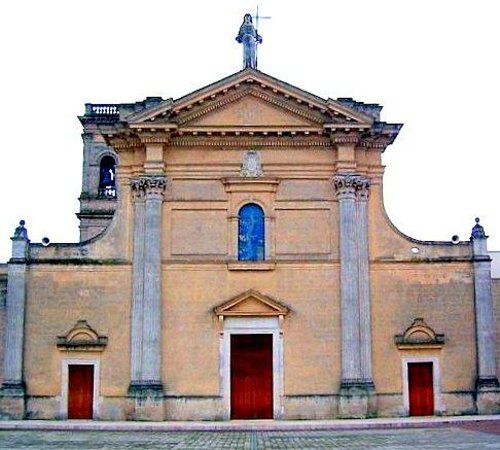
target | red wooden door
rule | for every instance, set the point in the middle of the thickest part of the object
(421, 390)
(251, 376)
(80, 391)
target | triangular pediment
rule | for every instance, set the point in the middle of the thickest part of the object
(250, 98)
(251, 303)
(252, 111)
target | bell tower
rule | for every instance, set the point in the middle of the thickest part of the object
(98, 198)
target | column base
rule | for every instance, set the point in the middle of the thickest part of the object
(357, 399)
(12, 400)
(147, 401)
(488, 395)
(487, 383)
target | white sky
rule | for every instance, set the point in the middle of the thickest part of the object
(433, 64)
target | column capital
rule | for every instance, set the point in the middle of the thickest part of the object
(363, 189)
(148, 186)
(350, 185)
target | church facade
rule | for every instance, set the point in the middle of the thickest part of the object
(236, 262)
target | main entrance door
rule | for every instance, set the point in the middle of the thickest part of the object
(80, 391)
(421, 389)
(251, 376)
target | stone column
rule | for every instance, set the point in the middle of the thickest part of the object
(364, 282)
(12, 402)
(345, 186)
(146, 384)
(488, 392)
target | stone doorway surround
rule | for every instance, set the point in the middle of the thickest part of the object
(423, 345)
(63, 405)
(436, 381)
(250, 313)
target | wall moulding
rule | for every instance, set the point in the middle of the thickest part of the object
(261, 184)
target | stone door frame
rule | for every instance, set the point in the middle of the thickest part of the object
(436, 381)
(251, 325)
(63, 404)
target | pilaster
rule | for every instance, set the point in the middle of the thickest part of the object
(362, 194)
(151, 364)
(356, 399)
(146, 388)
(12, 392)
(137, 282)
(345, 186)
(487, 386)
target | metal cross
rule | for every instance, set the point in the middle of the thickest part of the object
(257, 17)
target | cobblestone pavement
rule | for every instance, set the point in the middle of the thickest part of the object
(394, 439)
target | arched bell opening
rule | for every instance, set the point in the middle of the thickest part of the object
(107, 187)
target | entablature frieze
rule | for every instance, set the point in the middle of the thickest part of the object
(123, 142)
(248, 140)
(249, 137)
(375, 142)
(154, 138)
(343, 138)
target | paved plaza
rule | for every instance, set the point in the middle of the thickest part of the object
(470, 436)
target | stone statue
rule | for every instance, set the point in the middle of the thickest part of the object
(249, 37)
(478, 231)
(21, 232)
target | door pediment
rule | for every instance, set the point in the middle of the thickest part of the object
(251, 303)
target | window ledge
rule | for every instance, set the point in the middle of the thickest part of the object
(251, 265)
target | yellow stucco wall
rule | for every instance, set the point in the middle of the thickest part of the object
(58, 296)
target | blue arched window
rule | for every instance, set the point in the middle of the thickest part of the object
(251, 233)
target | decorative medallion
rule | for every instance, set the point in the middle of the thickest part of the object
(251, 167)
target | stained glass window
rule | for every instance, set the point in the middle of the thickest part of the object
(251, 233)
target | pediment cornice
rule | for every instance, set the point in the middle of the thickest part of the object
(314, 117)
(419, 335)
(251, 108)
(82, 337)
(251, 303)
(258, 84)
